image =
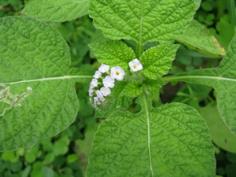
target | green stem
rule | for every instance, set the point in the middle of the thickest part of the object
(148, 116)
(232, 13)
(139, 49)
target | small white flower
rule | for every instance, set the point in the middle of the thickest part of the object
(105, 91)
(94, 83)
(108, 82)
(135, 65)
(117, 73)
(100, 96)
(97, 75)
(104, 68)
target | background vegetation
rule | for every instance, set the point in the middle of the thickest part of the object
(66, 154)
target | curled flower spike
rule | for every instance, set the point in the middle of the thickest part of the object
(103, 81)
(135, 65)
(117, 73)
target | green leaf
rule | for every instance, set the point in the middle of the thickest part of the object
(142, 21)
(158, 60)
(34, 55)
(223, 80)
(113, 53)
(199, 38)
(220, 133)
(171, 140)
(57, 11)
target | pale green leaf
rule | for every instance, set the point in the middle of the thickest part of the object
(157, 61)
(220, 133)
(140, 20)
(199, 38)
(223, 80)
(113, 53)
(34, 55)
(169, 141)
(56, 10)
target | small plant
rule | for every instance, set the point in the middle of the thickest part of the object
(135, 45)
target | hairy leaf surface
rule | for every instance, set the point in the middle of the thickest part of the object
(199, 38)
(56, 10)
(158, 60)
(142, 21)
(113, 53)
(171, 140)
(35, 55)
(223, 79)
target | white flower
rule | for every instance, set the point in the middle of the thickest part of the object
(97, 75)
(135, 65)
(94, 83)
(105, 91)
(108, 82)
(117, 73)
(104, 68)
(100, 96)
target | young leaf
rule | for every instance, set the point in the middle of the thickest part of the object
(33, 55)
(198, 37)
(223, 80)
(171, 140)
(56, 10)
(158, 60)
(142, 21)
(113, 53)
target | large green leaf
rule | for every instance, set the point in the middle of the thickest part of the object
(169, 141)
(34, 55)
(199, 38)
(140, 20)
(56, 10)
(223, 79)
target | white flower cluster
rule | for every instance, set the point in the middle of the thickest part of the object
(103, 81)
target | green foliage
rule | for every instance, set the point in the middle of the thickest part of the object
(142, 21)
(113, 53)
(157, 61)
(199, 38)
(166, 144)
(39, 59)
(57, 11)
(41, 79)
(220, 133)
(223, 80)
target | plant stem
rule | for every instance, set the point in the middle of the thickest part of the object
(232, 13)
(139, 49)
(147, 113)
